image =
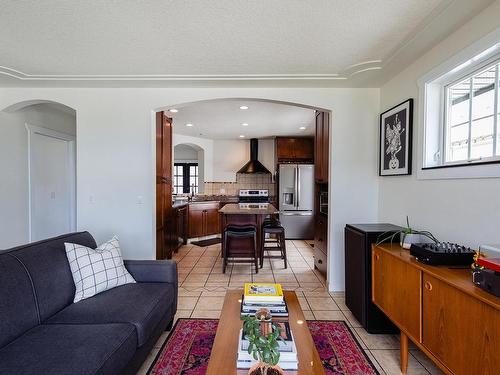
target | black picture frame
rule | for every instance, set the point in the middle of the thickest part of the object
(395, 140)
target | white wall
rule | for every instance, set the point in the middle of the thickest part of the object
(14, 165)
(464, 211)
(115, 158)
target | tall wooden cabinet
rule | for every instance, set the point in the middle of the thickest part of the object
(322, 147)
(440, 310)
(294, 150)
(203, 218)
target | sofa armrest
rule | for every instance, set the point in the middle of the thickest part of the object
(153, 271)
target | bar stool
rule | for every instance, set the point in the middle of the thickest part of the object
(241, 232)
(273, 227)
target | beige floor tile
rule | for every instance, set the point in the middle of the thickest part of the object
(285, 278)
(281, 271)
(218, 277)
(329, 315)
(321, 303)
(307, 278)
(263, 278)
(206, 262)
(182, 292)
(378, 341)
(426, 362)
(197, 278)
(310, 286)
(303, 303)
(215, 293)
(192, 284)
(390, 363)
(241, 278)
(203, 270)
(317, 293)
(308, 314)
(210, 303)
(289, 286)
(375, 363)
(353, 322)
(206, 314)
(341, 303)
(337, 294)
(182, 314)
(214, 284)
(186, 303)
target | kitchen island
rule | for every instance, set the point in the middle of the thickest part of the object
(245, 214)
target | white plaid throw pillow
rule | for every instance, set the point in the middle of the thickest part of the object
(96, 270)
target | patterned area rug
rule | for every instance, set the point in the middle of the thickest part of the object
(187, 349)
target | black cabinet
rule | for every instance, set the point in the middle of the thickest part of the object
(358, 276)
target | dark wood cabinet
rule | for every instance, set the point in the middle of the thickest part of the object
(322, 147)
(294, 150)
(320, 242)
(181, 225)
(358, 276)
(203, 219)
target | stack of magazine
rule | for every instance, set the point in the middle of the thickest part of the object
(287, 348)
(263, 296)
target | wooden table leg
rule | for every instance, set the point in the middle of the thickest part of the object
(404, 352)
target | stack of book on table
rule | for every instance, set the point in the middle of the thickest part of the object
(263, 296)
(287, 348)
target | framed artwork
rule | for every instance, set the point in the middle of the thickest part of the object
(395, 140)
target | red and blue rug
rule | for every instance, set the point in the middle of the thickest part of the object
(187, 349)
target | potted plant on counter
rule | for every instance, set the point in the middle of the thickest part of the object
(263, 347)
(407, 236)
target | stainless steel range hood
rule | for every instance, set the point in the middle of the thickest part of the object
(254, 165)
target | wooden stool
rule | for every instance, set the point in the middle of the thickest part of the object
(229, 250)
(273, 227)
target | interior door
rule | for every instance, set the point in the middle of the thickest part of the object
(288, 187)
(51, 184)
(164, 213)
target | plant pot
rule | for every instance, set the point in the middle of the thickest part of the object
(271, 370)
(409, 239)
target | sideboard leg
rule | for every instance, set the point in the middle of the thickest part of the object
(404, 352)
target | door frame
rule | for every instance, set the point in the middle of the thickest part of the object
(71, 149)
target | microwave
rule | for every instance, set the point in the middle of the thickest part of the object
(323, 202)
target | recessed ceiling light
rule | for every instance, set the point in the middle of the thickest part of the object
(302, 128)
(244, 124)
(189, 124)
(173, 110)
(244, 107)
(242, 136)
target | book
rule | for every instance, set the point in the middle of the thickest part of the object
(263, 292)
(247, 363)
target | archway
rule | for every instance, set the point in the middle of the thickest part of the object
(38, 158)
(189, 168)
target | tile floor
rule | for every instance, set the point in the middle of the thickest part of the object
(202, 287)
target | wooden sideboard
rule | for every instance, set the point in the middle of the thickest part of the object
(456, 324)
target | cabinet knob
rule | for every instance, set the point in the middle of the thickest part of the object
(377, 257)
(428, 286)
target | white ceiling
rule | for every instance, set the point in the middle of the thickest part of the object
(336, 41)
(223, 119)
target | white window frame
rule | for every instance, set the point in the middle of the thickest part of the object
(431, 137)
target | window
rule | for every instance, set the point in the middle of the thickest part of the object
(471, 117)
(185, 178)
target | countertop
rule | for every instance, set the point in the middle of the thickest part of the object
(234, 208)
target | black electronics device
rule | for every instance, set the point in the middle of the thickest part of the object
(442, 253)
(488, 280)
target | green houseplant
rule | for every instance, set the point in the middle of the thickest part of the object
(408, 235)
(263, 347)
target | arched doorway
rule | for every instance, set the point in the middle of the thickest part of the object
(189, 163)
(38, 159)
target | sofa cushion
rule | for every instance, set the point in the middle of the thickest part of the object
(96, 270)
(70, 349)
(18, 308)
(141, 304)
(49, 270)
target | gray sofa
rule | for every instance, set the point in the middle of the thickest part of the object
(43, 332)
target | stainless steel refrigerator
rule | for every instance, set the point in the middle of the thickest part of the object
(296, 200)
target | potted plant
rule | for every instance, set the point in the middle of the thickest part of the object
(407, 236)
(263, 347)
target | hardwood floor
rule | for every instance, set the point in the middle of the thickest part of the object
(202, 288)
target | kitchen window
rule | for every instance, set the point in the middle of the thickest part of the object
(185, 178)
(471, 132)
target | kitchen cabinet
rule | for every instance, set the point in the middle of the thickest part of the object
(182, 220)
(456, 324)
(322, 147)
(294, 150)
(320, 242)
(203, 219)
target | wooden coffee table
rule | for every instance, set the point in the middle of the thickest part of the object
(225, 348)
